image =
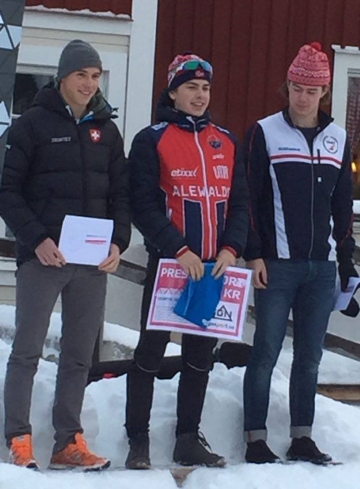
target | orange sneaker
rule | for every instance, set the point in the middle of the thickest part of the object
(76, 455)
(21, 452)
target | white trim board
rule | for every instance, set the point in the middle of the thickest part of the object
(346, 62)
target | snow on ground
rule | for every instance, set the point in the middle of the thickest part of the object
(336, 429)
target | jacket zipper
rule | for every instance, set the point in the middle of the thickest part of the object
(318, 173)
(312, 204)
(312, 191)
(203, 164)
(318, 180)
(83, 174)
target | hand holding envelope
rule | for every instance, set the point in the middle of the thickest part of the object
(342, 298)
(111, 263)
(85, 240)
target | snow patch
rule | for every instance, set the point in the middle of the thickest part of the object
(84, 12)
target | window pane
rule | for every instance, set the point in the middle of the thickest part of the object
(353, 129)
(25, 89)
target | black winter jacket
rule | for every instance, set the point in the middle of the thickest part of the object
(55, 165)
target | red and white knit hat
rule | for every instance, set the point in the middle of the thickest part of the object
(310, 67)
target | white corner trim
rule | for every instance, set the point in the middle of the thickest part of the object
(141, 68)
(346, 62)
(84, 12)
(46, 32)
(346, 49)
(66, 20)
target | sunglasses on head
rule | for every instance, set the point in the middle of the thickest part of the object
(193, 64)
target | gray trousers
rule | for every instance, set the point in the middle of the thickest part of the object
(83, 290)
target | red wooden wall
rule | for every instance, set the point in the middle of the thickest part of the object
(115, 6)
(250, 44)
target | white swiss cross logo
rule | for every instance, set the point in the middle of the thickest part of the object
(95, 135)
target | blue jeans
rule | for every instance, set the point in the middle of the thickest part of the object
(306, 287)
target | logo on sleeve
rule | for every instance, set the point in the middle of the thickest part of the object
(330, 144)
(95, 135)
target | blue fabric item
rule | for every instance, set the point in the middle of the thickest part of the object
(199, 298)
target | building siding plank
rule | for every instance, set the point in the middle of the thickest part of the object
(351, 24)
(184, 26)
(164, 48)
(315, 25)
(203, 28)
(220, 57)
(278, 58)
(333, 21)
(259, 53)
(238, 79)
(297, 26)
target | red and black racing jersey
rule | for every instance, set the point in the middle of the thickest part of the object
(188, 186)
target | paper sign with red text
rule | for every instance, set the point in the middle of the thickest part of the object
(230, 313)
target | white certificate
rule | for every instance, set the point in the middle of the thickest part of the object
(85, 240)
(342, 299)
(230, 313)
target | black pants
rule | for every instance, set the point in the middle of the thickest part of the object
(196, 352)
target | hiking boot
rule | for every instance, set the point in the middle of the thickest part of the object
(21, 452)
(138, 456)
(305, 449)
(76, 455)
(191, 449)
(258, 452)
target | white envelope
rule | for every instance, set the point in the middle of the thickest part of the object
(85, 240)
(342, 299)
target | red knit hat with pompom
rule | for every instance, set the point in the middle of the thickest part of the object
(310, 67)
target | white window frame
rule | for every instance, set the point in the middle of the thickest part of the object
(50, 71)
(346, 64)
(47, 31)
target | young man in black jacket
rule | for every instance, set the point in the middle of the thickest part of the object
(298, 164)
(65, 156)
(189, 200)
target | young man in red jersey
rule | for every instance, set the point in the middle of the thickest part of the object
(189, 200)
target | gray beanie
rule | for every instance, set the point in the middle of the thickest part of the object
(77, 55)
